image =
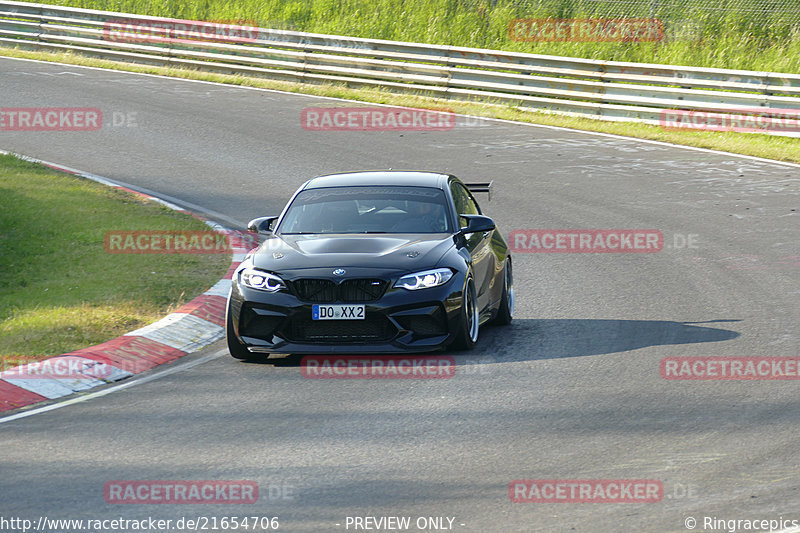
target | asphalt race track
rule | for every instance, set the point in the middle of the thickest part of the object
(571, 391)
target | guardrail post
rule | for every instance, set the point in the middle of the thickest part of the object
(41, 23)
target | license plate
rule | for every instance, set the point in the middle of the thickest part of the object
(337, 312)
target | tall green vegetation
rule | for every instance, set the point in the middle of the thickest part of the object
(731, 35)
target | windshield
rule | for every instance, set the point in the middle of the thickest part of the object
(367, 210)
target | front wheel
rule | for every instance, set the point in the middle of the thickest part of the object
(468, 327)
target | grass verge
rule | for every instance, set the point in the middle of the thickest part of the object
(766, 146)
(59, 289)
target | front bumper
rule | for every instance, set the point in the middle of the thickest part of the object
(400, 321)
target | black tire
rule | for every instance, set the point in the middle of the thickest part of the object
(468, 326)
(235, 347)
(505, 313)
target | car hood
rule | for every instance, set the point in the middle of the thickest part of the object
(388, 252)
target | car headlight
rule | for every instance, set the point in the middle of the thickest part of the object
(425, 279)
(263, 281)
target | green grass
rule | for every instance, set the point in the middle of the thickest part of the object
(59, 289)
(770, 147)
(738, 38)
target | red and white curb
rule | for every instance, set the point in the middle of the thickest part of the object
(193, 326)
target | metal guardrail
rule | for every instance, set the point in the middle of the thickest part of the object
(609, 90)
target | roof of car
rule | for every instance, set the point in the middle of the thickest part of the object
(380, 177)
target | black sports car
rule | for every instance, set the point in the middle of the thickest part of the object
(371, 262)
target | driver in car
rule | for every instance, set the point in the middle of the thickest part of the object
(423, 217)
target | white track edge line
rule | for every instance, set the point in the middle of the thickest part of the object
(114, 388)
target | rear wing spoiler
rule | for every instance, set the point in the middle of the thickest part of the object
(481, 187)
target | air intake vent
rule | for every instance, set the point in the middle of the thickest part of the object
(349, 291)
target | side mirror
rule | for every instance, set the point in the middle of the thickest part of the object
(261, 224)
(477, 224)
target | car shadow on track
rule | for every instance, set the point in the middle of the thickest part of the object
(531, 339)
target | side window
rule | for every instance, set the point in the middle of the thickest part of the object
(465, 205)
(473, 205)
